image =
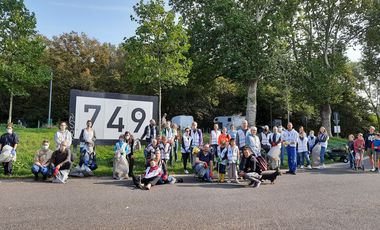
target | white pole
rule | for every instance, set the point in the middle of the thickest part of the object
(50, 96)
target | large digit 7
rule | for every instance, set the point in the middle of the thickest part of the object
(96, 113)
(135, 119)
(120, 125)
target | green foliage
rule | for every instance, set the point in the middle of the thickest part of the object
(156, 55)
(21, 50)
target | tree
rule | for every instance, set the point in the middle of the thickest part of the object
(236, 38)
(156, 55)
(21, 51)
(322, 31)
(368, 72)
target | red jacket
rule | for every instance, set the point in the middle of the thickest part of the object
(359, 145)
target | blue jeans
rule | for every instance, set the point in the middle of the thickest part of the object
(175, 150)
(292, 158)
(352, 159)
(282, 155)
(302, 156)
(40, 169)
(322, 154)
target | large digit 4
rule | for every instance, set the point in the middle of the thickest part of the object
(141, 120)
(118, 126)
(96, 113)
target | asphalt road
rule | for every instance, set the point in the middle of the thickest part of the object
(333, 198)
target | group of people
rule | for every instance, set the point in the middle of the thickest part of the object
(359, 145)
(237, 154)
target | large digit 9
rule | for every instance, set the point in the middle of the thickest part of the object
(141, 120)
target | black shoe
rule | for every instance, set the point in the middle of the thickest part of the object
(36, 177)
(293, 173)
(44, 177)
(288, 172)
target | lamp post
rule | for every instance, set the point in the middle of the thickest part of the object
(50, 96)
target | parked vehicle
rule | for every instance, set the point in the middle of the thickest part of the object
(227, 121)
(183, 121)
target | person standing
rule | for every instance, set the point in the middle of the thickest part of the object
(232, 132)
(63, 135)
(322, 139)
(214, 137)
(186, 149)
(264, 139)
(224, 137)
(9, 138)
(87, 135)
(150, 132)
(351, 150)
(369, 139)
(130, 158)
(290, 137)
(359, 145)
(176, 139)
(197, 137)
(42, 161)
(253, 142)
(303, 151)
(240, 141)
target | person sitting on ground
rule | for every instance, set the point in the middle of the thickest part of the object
(120, 163)
(42, 161)
(153, 174)
(87, 162)
(251, 170)
(8, 141)
(149, 151)
(60, 163)
(203, 163)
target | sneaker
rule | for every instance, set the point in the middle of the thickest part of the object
(36, 177)
(323, 166)
(229, 181)
(373, 170)
(186, 172)
(236, 181)
(301, 167)
(309, 167)
(257, 184)
(148, 186)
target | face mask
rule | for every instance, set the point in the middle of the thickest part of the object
(9, 131)
(45, 147)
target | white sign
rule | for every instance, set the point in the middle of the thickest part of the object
(336, 129)
(111, 114)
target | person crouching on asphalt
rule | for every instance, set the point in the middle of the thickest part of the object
(203, 163)
(251, 170)
(60, 163)
(42, 161)
(233, 161)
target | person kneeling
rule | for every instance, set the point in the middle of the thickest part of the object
(203, 163)
(252, 171)
(42, 161)
(60, 163)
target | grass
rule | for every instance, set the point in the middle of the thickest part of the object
(31, 138)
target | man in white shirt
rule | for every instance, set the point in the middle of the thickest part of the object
(289, 138)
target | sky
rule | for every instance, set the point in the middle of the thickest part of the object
(105, 20)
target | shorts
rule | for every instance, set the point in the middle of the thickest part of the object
(358, 155)
(377, 155)
(370, 152)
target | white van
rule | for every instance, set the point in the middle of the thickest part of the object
(183, 121)
(227, 121)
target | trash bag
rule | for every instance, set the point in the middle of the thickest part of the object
(316, 154)
(120, 166)
(274, 157)
(6, 155)
(61, 177)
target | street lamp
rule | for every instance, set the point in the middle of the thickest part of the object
(50, 96)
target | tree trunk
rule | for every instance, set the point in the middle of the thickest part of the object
(10, 109)
(252, 102)
(159, 108)
(325, 111)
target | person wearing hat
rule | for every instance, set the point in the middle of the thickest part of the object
(11, 139)
(222, 160)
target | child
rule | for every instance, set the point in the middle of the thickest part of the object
(376, 146)
(351, 152)
(359, 144)
(233, 161)
(303, 151)
(224, 137)
(222, 161)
